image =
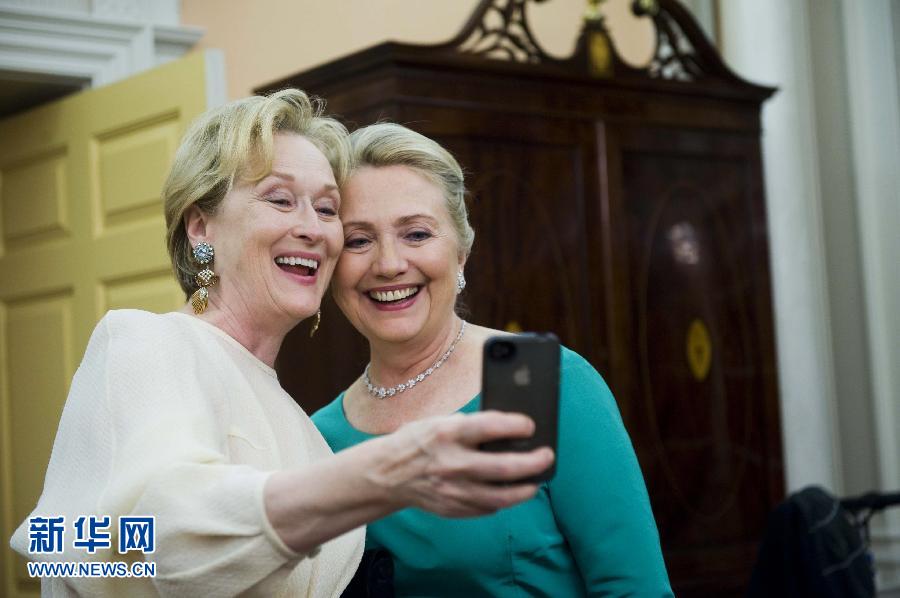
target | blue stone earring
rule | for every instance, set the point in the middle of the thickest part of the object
(203, 255)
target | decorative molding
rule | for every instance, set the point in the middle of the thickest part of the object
(171, 42)
(157, 12)
(499, 30)
(684, 51)
(675, 56)
(88, 47)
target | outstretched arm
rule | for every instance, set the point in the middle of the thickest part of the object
(431, 464)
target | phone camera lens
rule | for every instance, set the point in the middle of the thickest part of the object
(502, 350)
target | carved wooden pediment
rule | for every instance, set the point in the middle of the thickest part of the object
(499, 30)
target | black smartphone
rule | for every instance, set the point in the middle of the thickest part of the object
(520, 373)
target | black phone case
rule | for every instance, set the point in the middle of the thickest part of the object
(525, 381)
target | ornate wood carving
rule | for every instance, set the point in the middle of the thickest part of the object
(499, 29)
(683, 51)
(675, 56)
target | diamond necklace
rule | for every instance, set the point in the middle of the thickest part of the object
(380, 392)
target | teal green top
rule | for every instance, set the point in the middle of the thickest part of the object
(589, 531)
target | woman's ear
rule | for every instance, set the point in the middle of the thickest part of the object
(195, 225)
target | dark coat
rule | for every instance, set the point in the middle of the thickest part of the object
(812, 548)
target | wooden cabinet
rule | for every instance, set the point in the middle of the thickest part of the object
(623, 209)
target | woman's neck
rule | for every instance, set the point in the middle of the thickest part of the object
(263, 339)
(393, 363)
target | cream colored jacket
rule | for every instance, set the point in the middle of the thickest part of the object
(171, 417)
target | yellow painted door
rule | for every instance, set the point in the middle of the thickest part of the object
(81, 232)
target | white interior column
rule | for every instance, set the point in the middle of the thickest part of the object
(767, 42)
(872, 78)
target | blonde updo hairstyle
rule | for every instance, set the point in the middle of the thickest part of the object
(235, 142)
(389, 144)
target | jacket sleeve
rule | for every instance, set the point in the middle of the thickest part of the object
(598, 495)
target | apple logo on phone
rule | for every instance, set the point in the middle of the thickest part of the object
(522, 376)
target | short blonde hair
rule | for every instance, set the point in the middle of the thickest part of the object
(389, 144)
(235, 141)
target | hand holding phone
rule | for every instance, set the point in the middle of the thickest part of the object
(521, 373)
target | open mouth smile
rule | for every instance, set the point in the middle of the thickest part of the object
(304, 267)
(395, 298)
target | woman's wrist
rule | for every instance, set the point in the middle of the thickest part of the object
(394, 460)
(309, 506)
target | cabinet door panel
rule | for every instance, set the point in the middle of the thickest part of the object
(697, 344)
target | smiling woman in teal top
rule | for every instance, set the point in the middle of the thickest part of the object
(589, 530)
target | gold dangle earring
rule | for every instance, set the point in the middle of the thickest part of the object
(203, 255)
(315, 325)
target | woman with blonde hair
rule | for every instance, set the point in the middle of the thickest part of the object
(590, 529)
(179, 417)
